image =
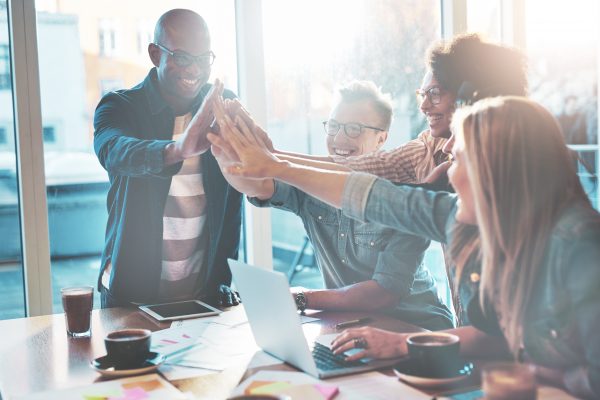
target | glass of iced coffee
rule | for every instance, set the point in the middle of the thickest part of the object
(78, 303)
(509, 381)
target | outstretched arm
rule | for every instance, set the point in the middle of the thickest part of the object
(256, 161)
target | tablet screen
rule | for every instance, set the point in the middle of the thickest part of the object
(179, 310)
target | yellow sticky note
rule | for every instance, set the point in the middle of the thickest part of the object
(271, 388)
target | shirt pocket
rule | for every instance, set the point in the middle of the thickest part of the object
(322, 213)
(369, 236)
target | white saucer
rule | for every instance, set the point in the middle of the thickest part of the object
(406, 372)
(105, 366)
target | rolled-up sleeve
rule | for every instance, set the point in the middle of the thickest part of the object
(285, 197)
(407, 209)
(356, 193)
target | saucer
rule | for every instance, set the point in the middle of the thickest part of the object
(407, 371)
(106, 367)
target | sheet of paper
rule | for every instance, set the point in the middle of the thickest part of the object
(375, 386)
(219, 347)
(177, 372)
(175, 340)
(147, 387)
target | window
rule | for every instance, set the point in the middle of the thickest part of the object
(76, 183)
(12, 301)
(49, 134)
(379, 40)
(484, 17)
(145, 35)
(5, 79)
(106, 38)
(564, 75)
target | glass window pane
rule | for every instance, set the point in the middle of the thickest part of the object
(484, 17)
(587, 168)
(103, 47)
(12, 301)
(564, 73)
(382, 41)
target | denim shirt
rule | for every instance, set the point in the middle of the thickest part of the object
(348, 252)
(562, 328)
(132, 128)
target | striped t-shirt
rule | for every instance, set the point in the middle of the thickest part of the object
(185, 235)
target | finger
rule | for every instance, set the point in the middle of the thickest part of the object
(346, 335)
(348, 345)
(223, 146)
(342, 339)
(244, 114)
(228, 299)
(232, 107)
(232, 134)
(245, 130)
(235, 298)
(261, 136)
(358, 356)
(219, 108)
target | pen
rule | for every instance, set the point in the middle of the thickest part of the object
(352, 322)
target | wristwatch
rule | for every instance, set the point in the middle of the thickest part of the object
(300, 299)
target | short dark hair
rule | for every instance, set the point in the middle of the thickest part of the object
(473, 69)
(367, 90)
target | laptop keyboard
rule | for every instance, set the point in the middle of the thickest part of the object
(327, 361)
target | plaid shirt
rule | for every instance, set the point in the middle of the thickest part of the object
(409, 163)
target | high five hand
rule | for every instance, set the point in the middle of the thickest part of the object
(238, 141)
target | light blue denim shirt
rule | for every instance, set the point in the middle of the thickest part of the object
(413, 211)
(348, 252)
(562, 327)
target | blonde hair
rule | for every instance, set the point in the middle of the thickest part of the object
(522, 176)
(367, 90)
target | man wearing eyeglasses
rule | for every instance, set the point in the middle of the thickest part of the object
(365, 266)
(173, 219)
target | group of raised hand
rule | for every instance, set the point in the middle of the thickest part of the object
(241, 146)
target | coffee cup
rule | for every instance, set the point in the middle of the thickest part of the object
(435, 354)
(128, 348)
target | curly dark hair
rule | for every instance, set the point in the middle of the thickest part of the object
(473, 69)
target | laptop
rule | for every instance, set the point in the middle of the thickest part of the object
(277, 329)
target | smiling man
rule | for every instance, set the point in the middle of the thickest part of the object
(365, 266)
(173, 219)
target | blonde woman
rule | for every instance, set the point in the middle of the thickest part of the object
(517, 193)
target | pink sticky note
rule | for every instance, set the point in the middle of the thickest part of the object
(132, 394)
(328, 391)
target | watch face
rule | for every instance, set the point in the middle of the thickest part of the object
(300, 301)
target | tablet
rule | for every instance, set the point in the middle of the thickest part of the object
(179, 310)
